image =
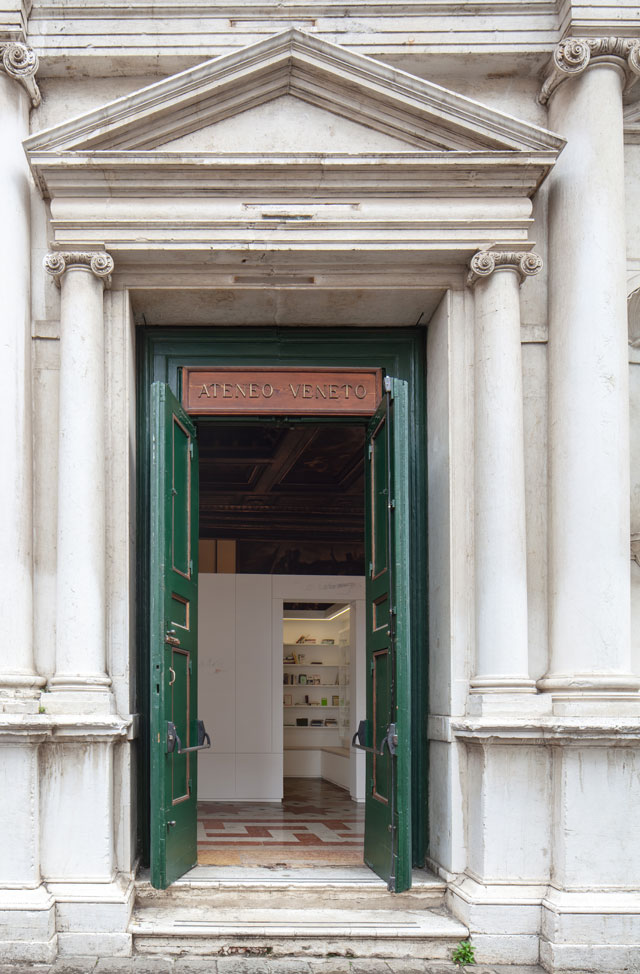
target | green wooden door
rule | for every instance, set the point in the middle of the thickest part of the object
(174, 641)
(387, 731)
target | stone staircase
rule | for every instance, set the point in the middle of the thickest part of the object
(294, 913)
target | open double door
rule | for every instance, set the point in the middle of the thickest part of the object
(176, 735)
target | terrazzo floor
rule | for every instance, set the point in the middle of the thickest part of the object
(317, 824)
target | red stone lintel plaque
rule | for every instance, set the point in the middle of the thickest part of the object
(281, 392)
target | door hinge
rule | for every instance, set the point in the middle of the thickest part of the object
(371, 569)
(191, 567)
(387, 383)
(370, 451)
(191, 449)
(190, 666)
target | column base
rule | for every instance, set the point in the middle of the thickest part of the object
(93, 918)
(28, 925)
(504, 695)
(599, 695)
(597, 930)
(503, 919)
(20, 693)
(71, 695)
(502, 684)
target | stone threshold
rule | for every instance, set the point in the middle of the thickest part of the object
(309, 876)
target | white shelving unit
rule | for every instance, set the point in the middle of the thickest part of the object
(325, 678)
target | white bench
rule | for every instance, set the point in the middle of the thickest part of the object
(330, 763)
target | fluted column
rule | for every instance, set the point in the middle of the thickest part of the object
(18, 91)
(589, 601)
(500, 529)
(80, 682)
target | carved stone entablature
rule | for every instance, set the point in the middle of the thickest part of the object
(100, 264)
(573, 55)
(484, 263)
(21, 62)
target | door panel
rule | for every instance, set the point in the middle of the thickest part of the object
(387, 845)
(173, 630)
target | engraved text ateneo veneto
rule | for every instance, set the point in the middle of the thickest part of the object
(284, 391)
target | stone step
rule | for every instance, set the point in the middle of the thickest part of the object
(354, 887)
(281, 932)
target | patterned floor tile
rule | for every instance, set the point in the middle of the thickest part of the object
(317, 822)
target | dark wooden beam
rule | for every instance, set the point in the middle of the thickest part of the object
(289, 450)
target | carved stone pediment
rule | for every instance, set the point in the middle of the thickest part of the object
(298, 146)
(409, 111)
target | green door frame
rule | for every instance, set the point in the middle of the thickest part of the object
(161, 353)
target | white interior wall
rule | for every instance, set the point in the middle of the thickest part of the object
(240, 638)
(238, 698)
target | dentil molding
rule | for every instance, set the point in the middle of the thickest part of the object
(573, 55)
(21, 63)
(100, 264)
(483, 264)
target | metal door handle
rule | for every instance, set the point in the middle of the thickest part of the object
(174, 744)
(390, 740)
(170, 638)
(173, 672)
(361, 735)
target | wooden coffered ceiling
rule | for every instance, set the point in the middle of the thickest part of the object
(292, 485)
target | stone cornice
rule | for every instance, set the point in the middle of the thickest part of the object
(156, 175)
(21, 63)
(549, 731)
(99, 263)
(24, 728)
(35, 728)
(483, 264)
(102, 38)
(574, 55)
(79, 729)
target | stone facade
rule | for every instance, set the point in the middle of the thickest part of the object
(481, 159)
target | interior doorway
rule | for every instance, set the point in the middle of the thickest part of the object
(281, 644)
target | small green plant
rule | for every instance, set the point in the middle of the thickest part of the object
(42, 710)
(463, 955)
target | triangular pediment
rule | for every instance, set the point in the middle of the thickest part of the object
(398, 110)
(285, 125)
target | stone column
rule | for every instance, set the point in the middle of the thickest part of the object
(80, 683)
(500, 531)
(18, 92)
(589, 600)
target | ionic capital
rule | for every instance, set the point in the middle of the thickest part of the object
(100, 264)
(574, 55)
(21, 63)
(523, 263)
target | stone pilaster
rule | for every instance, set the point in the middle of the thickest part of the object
(80, 683)
(589, 602)
(500, 532)
(18, 681)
